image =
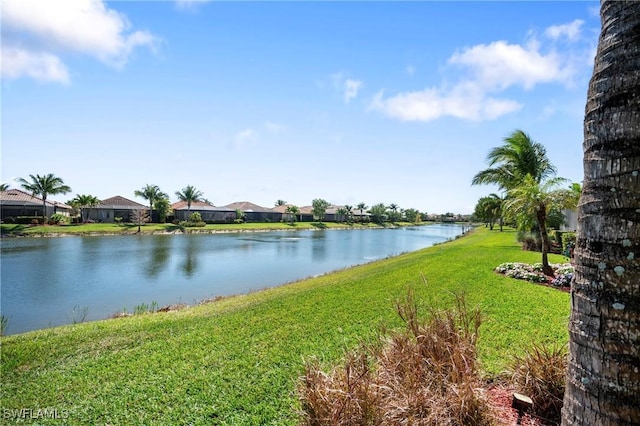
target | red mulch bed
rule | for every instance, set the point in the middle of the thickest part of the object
(500, 397)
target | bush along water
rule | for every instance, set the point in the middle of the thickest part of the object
(563, 273)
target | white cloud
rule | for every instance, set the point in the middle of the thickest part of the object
(480, 73)
(51, 28)
(571, 31)
(433, 103)
(501, 65)
(40, 66)
(351, 88)
(348, 88)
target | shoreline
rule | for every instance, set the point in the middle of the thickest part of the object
(188, 231)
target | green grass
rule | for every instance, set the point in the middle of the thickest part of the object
(113, 228)
(237, 361)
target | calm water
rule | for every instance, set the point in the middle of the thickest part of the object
(45, 279)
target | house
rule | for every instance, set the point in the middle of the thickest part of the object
(208, 212)
(114, 207)
(286, 217)
(14, 202)
(255, 213)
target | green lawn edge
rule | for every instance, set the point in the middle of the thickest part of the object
(14, 230)
(238, 360)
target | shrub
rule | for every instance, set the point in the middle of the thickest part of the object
(426, 374)
(58, 219)
(195, 217)
(28, 220)
(568, 242)
(540, 374)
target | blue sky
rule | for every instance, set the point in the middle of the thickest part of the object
(347, 101)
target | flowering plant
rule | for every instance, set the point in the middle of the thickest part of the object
(533, 273)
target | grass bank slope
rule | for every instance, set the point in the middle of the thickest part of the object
(237, 361)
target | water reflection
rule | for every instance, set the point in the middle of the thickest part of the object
(43, 280)
(318, 246)
(190, 264)
(159, 255)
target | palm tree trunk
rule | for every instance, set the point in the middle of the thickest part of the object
(603, 382)
(541, 218)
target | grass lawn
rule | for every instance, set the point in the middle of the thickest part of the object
(237, 361)
(113, 228)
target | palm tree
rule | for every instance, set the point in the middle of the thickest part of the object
(603, 384)
(534, 199)
(495, 204)
(510, 163)
(189, 194)
(349, 209)
(280, 203)
(489, 209)
(84, 202)
(394, 212)
(292, 211)
(4, 187)
(163, 207)
(341, 214)
(43, 186)
(151, 193)
(362, 207)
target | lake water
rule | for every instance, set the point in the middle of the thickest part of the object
(54, 281)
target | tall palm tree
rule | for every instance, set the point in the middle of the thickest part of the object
(510, 163)
(85, 202)
(603, 384)
(393, 207)
(349, 210)
(280, 203)
(43, 186)
(189, 194)
(151, 193)
(534, 199)
(362, 207)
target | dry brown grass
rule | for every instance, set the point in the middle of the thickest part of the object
(540, 374)
(426, 374)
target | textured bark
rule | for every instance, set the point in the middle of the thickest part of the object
(603, 379)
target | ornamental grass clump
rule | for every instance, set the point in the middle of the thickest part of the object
(540, 374)
(426, 374)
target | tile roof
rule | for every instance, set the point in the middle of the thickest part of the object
(199, 206)
(18, 197)
(281, 209)
(119, 202)
(246, 206)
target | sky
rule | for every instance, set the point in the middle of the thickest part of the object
(374, 102)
